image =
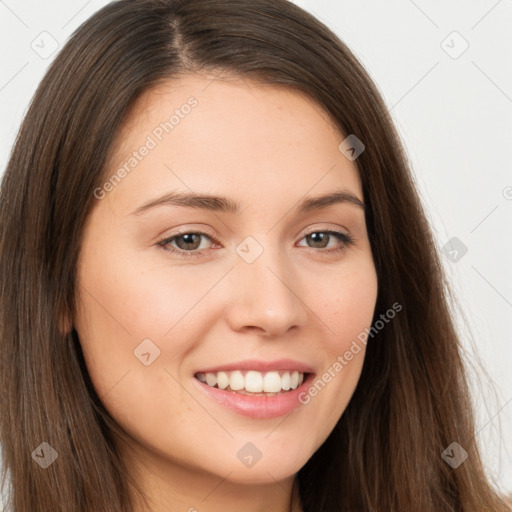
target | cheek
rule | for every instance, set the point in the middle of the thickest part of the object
(348, 306)
(126, 299)
(347, 311)
(122, 311)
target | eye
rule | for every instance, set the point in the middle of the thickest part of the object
(188, 243)
(321, 239)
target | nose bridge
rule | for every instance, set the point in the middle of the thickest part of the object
(266, 295)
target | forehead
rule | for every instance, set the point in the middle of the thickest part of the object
(228, 136)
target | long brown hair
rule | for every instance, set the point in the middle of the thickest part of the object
(412, 400)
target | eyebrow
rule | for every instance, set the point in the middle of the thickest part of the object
(226, 205)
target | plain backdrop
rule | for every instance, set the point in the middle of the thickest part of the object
(445, 71)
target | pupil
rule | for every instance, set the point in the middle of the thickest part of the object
(188, 239)
(318, 237)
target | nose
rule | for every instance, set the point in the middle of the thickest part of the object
(267, 296)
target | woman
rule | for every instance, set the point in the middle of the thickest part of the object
(143, 372)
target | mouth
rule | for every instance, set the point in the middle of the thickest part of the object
(256, 389)
(252, 382)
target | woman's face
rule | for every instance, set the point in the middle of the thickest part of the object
(260, 296)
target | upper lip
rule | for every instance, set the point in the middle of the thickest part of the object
(260, 366)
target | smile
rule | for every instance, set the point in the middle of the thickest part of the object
(258, 389)
(253, 382)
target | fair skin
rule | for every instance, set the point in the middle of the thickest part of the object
(268, 149)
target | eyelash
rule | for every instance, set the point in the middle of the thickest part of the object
(344, 237)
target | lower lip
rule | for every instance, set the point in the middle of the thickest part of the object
(257, 406)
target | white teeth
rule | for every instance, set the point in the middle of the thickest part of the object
(253, 382)
(294, 380)
(222, 380)
(236, 381)
(271, 382)
(211, 379)
(285, 381)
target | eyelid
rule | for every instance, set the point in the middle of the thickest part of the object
(323, 229)
(189, 229)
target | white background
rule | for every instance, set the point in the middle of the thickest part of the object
(454, 116)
